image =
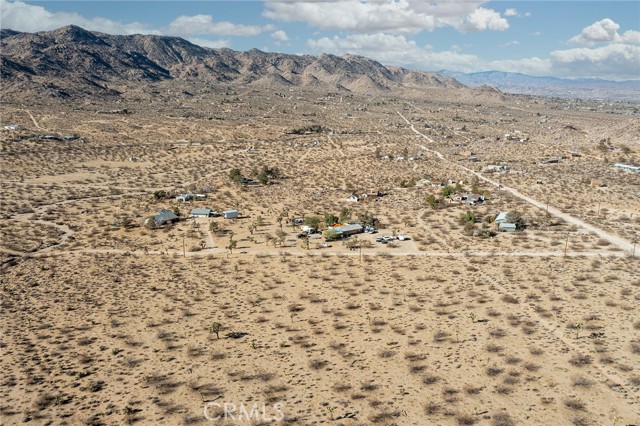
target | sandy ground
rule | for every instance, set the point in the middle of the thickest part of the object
(107, 322)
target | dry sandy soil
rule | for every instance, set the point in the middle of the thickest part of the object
(105, 321)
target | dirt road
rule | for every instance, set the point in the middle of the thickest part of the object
(619, 242)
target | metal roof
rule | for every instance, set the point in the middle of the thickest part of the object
(206, 212)
(347, 228)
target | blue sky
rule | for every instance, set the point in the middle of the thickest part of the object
(561, 38)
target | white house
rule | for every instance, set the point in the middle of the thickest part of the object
(353, 198)
(230, 214)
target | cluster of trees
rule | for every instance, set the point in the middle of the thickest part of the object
(263, 175)
(314, 128)
(345, 216)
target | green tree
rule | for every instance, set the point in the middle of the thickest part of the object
(236, 175)
(516, 218)
(345, 215)
(313, 221)
(447, 191)
(160, 194)
(213, 226)
(330, 219)
(150, 223)
(468, 217)
(232, 243)
(281, 236)
(215, 328)
(433, 201)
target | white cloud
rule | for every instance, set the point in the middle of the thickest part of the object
(605, 31)
(21, 16)
(204, 24)
(511, 12)
(485, 19)
(280, 36)
(617, 61)
(214, 44)
(510, 43)
(401, 16)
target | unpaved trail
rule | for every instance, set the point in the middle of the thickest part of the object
(615, 240)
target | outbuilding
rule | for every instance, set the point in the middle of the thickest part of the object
(195, 213)
(507, 227)
(230, 214)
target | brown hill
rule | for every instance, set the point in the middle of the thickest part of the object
(74, 62)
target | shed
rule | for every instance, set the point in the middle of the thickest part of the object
(230, 214)
(502, 217)
(507, 227)
(353, 197)
(202, 213)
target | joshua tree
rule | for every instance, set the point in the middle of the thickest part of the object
(472, 316)
(215, 328)
(578, 326)
(232, 243)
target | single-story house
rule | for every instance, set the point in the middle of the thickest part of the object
(202, 213)
(348, 229)
(12, 127)
(353, 197)
(199, 197)
(165, 216)
(502, 217)
(472, 199)
(70, 138)
(507, 227)
(183, 198)
(496, 168)
(628, 167)
(230, 214)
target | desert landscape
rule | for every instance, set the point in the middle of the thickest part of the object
(308, 244)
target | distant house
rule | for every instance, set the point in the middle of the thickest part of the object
(51, 137)
(165, 216)
(70, 138)
(496, 168)
(199, 197)
(627, 167)
(507, 227)
(472, 199)
(195, 213)
(12, 127)
(230, 214)
(502, 217)
(353, 198)
(183, 198)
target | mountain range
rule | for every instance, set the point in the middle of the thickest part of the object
(586, 88)
(72, 62)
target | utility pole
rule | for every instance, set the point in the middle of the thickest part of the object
(566, 245)
(599, 208)
(184, 251)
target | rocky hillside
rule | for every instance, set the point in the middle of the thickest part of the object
(73, 62)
